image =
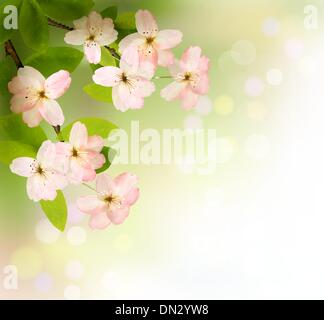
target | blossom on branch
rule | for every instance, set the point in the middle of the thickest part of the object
(92, 32)
(35, 97)
(191, 78)
(151, 45)
(112, 202)
(130, 82)
(43, 174)
(81, 155)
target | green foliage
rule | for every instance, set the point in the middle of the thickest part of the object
(95, 126)
(106, 58)
(66, 9)
(55, 59)
(109, 155)
(10, 150)
(56, 211)
(33, 25)
(13, 128)
(98, 92)
(7, 72)
(4, 33)
(110, 12)
(125, 21)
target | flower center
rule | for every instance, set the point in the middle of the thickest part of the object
(187, 76)
(91, 38)
(40, 170)
(113, 200)
(150, 40)
(42, 94)
(75, 153)
(124, 78)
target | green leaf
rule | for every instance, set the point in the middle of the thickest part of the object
(99, 93)
(7, 72)
(106, 58)
(13, 128)
(95, 126)
(33, 25)
(125, 21)
(66, 9)
(5, 34)
(55, 59)
(109, 156)
(10, 150)
(110, 12)
(56, 211)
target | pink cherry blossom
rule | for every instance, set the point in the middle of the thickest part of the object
(43, 175)
(112, 202)
(92, 32)
(152, 45)
(81, 155)
(191, 78)
(35, 97)
(130, 82)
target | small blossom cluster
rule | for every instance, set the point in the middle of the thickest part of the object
(58, 164)
(141, 53)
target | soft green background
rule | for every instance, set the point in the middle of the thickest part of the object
(171, 246)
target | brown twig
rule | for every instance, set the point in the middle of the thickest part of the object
(11, 51)
(60, 25)
(113, 52)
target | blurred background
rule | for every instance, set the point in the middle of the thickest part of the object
(253, 229)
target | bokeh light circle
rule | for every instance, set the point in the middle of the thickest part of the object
(46, 233)
(204, 106)
(28, 262)
(76, 236)
(193, 122)
(270, 27)
(274, 77)
(224, 105)
(43, 283)
(74, 270)
(254, 87)
(243, 52)
(256, 111)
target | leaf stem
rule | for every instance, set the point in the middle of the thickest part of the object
(11, 51)
(163, 77)
(89, 187)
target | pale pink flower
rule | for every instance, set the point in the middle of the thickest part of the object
(191, 78)
(35, 97)
(92, 32)
(81, 155)
(44, 175)
(152, 45)
(129, 81)
(112, 202)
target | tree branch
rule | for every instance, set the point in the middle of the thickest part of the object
(60, 25)
(11, 51)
